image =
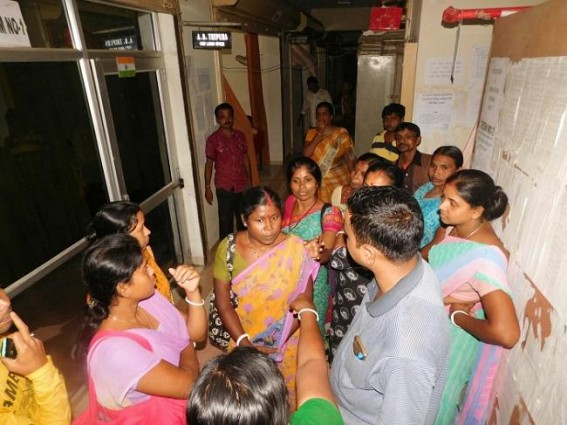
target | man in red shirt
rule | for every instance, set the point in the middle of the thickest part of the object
(226, 148)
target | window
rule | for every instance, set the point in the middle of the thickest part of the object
(111, 28)
(51, 180)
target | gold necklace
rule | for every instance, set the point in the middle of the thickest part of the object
(251, 247)
(122, 320)
(475, 230)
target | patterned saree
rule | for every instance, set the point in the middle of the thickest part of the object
(265, 289)
(473, 365)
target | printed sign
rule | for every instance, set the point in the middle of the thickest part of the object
(13, 29)
(127, 42)
(212, 40)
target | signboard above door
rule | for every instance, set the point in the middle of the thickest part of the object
(212, 40)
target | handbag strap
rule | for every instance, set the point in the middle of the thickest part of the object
(230, 248)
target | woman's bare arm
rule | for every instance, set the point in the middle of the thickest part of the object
(501, 325)
(187, 278)
(226, 311)
(310, 147)
(167, 380)
(312, 378)
(327, 243)
(308, 293)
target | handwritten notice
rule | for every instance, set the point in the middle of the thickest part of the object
(438, 71)
(13, 29)
(434, 112)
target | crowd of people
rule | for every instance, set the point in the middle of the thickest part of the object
(376, 293)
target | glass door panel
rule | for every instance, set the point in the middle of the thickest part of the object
(51, 179)
(160, 222)
(138, 125)
(139, 129)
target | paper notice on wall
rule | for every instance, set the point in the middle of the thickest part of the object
(538, 114)
(204, 79)
(551, 267)
(484, 157)
(473, 104)
(479, 59)
(434, 112)
(13, 29)
(191, 74)
(438, 71)
(209, 112)
(200, 112)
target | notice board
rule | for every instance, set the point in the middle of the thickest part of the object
(522, 142)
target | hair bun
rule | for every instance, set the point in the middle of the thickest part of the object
(497, 204)
(91, 232)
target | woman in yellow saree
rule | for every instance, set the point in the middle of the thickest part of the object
(332, 149)
(269, 270)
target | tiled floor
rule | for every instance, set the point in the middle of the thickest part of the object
(53, 309)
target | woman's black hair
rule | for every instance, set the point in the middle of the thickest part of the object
(328, 106)
(370, 158)
(394, 173)
(304, 161)
(111, 260)
(452, 152)
(479, 190)
(256, 196)
(114, 217)
(243, 387)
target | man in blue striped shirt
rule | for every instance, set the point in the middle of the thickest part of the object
(390, 366)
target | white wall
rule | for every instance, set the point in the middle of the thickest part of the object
(205, 92)
(237, 75)
(235, 72)
(272, 85)
(447, 112)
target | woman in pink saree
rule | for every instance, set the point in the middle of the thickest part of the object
(471, 266)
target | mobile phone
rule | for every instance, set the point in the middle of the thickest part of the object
(8, 348)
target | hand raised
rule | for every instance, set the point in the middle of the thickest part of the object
(31, 354)
(186, 276)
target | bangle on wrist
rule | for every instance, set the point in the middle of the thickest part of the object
(309, 310)
(453, 314)
(196, 304)
(240, 338)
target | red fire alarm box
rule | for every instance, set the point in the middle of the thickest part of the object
(385, 18)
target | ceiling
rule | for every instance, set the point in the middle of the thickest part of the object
(322, 16)
(309, 5)
(342, 15)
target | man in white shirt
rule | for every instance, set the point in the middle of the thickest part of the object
(313, 97)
